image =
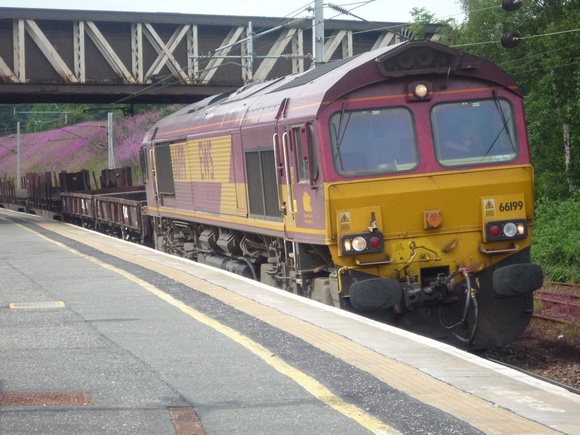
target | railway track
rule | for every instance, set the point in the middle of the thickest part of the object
(558, 303)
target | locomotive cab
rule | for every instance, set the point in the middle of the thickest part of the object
(433, 194)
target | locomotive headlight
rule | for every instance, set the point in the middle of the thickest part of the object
(359, 244)
(421, 91)
(347, 245)
(521, 228)
(510, 229)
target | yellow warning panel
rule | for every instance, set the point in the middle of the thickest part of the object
(503, 207)
(489, 208)
(344, 222)
(358, 220)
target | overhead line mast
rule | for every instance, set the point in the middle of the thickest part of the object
(318, 32)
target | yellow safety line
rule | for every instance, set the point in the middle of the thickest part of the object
(307, 382)
(36, 305)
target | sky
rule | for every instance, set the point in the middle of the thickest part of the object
(377, 10)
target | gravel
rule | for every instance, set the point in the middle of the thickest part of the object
(549, 350)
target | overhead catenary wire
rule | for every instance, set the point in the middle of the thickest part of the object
(551, 34)
(89, 140)
(349, 12)
(520, 38)
(309, 8)
(288, 17)
(539, 54)
(164, 82)
(129, 122)
(545, 69)
(437, 19)
(344, 11)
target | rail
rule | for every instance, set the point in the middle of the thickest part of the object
(558, 303)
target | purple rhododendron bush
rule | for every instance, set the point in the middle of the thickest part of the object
(82, 146)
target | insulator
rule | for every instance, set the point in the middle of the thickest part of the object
(511, 5)
(511, 39)
(338, 9)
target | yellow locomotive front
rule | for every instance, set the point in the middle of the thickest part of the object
(430, 202)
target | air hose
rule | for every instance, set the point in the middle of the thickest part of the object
(469, 300)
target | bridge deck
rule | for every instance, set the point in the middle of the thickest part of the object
(106, 57)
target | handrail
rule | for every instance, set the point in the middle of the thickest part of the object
(373, 263)
(154, 172)
(288, 178)
(275, 141)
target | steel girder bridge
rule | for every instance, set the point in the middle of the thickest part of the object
(51, 55)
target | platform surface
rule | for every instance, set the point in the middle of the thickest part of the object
(98, 335)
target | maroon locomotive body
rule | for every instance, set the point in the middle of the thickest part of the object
(397, 184)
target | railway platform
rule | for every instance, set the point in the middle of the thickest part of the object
(98, 335)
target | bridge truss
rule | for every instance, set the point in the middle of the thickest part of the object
(95, 56)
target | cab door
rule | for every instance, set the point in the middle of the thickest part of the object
(297, 175)
(289, 202)
(284, 168)
(303, 170)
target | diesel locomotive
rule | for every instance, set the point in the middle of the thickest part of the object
(396, 184)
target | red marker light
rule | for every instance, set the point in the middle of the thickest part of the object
(494, 231)
(375, 242)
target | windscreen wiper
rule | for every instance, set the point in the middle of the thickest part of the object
(504, 128)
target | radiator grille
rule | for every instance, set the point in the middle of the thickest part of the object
(417, 59)
(262, 186)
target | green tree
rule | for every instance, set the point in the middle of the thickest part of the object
(555, 93)
(546, 65)
(423, 20)
(9, 117)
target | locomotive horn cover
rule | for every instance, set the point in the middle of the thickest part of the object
(375, 294)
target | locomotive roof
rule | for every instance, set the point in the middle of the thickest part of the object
(331, 81)
(404, 59)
